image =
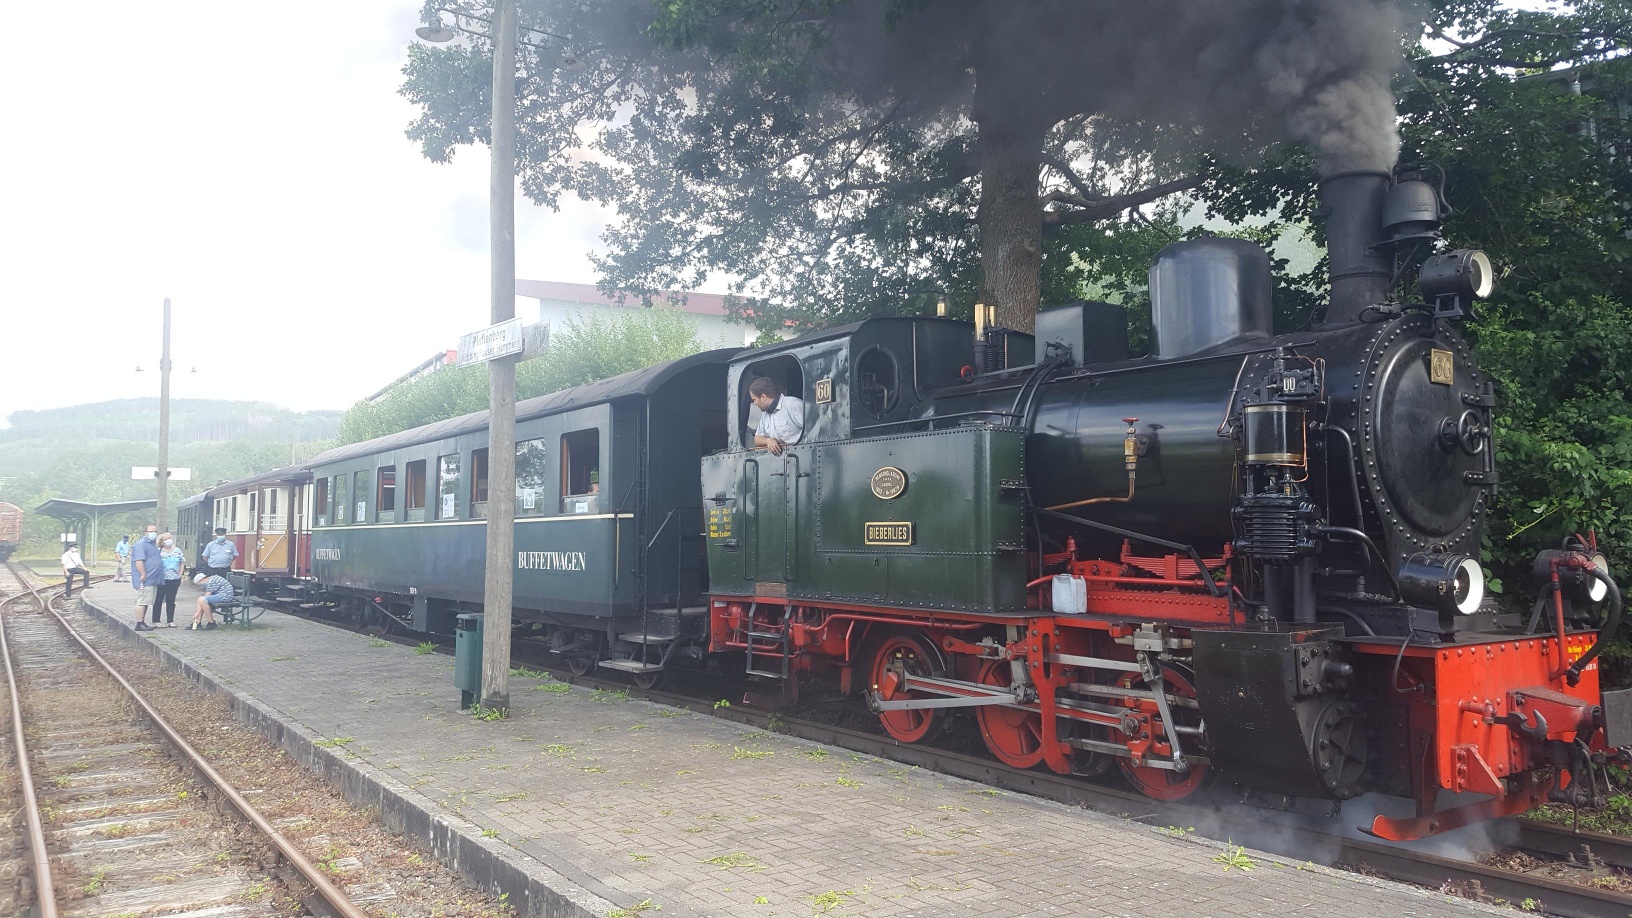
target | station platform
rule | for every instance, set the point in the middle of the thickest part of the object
(588, 803)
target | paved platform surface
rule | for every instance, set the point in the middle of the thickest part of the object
(635, 802)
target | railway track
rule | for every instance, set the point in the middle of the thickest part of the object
(121, 815)
(1548, 871)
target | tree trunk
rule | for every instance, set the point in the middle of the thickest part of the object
(1010, 216)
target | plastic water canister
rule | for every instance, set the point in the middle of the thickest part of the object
(1070, 594)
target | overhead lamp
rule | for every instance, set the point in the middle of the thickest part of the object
(1452, 281)
(437, 34)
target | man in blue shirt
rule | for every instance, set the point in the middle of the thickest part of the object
(147, 574)
(219, 554)
(217, 590)
(122, 552)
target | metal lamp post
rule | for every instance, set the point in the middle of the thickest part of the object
(164, 422)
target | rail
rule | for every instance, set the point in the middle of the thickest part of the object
(332, 896)
(39, 855)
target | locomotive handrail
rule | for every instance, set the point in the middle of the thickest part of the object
(939, 417)
(1212, 587)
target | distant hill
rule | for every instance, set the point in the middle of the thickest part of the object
(85, 452)
(192, 420)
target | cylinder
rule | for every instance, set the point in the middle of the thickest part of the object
(1274, 435)
(1208, 292)
(1353, 202)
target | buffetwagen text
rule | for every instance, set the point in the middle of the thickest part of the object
(550, 561)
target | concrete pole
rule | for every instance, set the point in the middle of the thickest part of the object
(501, 373)
(164, 422)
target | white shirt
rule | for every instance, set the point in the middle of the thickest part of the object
(785, 422)
(70, 559)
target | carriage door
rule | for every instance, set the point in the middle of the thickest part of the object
(272, 538)
(768, 478)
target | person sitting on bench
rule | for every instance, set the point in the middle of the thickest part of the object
(217, 590)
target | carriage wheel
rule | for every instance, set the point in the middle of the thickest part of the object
(1015, 737)
(647, 682)
(580, 665)
(1159, 783)
(914, 655)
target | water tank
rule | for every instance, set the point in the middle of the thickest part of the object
(1208, 292)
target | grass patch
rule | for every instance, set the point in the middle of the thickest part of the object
(639, 908)
(1234, 858)
(821, 903)
(737, 752)
(616, 696)
(335, 742)
(378, 642)
(525, 672)
(424, 647)
(733, 861)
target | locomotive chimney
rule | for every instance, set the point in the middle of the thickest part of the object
(1353, 205)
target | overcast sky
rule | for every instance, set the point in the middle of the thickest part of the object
(249, 163)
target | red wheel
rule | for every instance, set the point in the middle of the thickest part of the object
(1160, 783)
(913, 655)
(1014, 737)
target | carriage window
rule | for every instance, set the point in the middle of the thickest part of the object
(530, 500)
(478, 483)
(447, 487)
(877, 389)
(342, 496)
(320, 489)
(359, 493)
(385, 494)
(413, 491)
(581, 471)
(247, 524)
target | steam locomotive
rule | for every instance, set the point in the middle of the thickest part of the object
(1244, 555)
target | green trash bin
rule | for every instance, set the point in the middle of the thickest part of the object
(467, 658)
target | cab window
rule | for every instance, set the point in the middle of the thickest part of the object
(785, 372)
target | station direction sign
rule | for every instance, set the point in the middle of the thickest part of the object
(495, 341)
(150, 472)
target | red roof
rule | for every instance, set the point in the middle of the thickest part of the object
(703, 304)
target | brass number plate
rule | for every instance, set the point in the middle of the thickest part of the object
(1441, 367)
(824, 391)
(887, 533)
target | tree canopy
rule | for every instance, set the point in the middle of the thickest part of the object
(588, 348)
(839, 156)
(843, 158)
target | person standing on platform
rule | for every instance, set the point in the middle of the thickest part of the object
(219, 553)
(175, 567)
(147, 574)
(71, 565)
(122, 553)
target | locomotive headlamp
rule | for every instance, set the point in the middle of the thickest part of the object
(1447, 583)
(1597, 589)
(1573, 576)
(1454, 280)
